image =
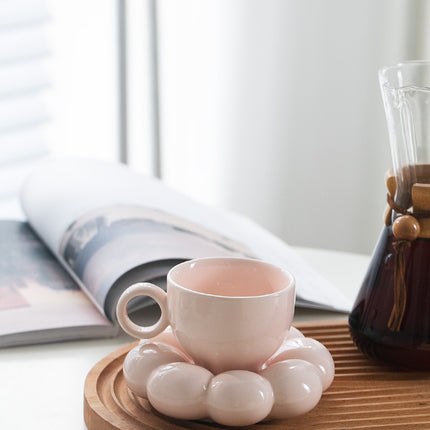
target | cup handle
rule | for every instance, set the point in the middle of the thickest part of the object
(142, 289)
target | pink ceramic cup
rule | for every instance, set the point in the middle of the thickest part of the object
(226, 313)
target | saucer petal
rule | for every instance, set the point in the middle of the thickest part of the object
(294, 333)
(168, 338)
(291, 383)
(142, 360)
(296, 385)
(239, 398)
(310, 350)
(179, 390)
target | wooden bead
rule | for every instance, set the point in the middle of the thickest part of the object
(406, 227)
(390, 182)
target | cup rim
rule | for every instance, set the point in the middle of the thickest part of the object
(291, 284)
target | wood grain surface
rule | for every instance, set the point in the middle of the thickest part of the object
(364, 394)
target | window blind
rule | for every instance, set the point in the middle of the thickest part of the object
(25, 81)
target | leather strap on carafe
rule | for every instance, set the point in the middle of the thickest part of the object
(399, 306)
(406, 229)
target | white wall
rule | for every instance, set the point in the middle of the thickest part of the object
(272, 108)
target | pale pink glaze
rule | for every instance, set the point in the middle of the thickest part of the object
(168, 338)
(293, 333)
(230, 353)
(296, 386)
(221, 332)
(305, 348)
(230, 277)
(239, 398)
(237, 311)
(143, 359)
(180, 389)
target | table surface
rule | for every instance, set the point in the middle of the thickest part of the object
(42, 386)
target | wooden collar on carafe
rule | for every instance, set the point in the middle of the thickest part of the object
(415, 221)
(412, 223)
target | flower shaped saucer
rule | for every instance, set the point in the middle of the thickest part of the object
(289, 383)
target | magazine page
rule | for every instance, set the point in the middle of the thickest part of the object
(38, 300)
(104, 244)
(63, 190)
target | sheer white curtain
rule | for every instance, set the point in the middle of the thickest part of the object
(272, 108)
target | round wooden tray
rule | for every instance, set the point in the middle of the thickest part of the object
(363, 394)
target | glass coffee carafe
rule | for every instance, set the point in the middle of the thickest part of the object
(390, 319)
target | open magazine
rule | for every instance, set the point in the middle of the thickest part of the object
(95, 228)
